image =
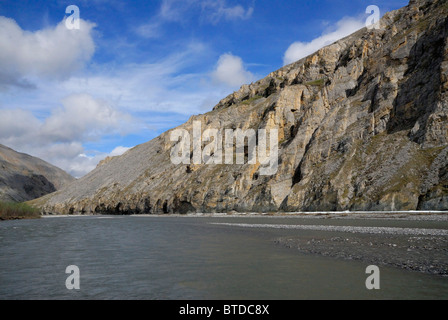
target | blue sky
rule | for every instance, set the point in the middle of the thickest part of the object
(135, 69)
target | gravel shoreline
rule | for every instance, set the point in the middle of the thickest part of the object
(348, 229)
(427, 254)
(415, 249)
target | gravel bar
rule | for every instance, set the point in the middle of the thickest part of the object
(367, 230)
(413, 249)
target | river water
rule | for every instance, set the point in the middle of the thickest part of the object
(186, 258)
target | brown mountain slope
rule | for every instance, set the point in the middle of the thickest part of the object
(23, 177)
(363, 125)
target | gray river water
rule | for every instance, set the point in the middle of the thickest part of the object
(177, 258)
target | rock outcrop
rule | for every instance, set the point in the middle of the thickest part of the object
(23, 177)
(362, 125)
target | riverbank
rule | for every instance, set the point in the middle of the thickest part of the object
(383, 215)
(418, 248)
(427, 254)
(17, 211)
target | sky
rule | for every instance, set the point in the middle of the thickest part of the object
(74, 91)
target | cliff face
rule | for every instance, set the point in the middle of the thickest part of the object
(363, 125)
(23, 177)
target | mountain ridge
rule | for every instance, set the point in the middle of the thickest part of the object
(362, 123)
(24, 177)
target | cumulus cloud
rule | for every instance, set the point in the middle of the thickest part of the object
(299, 50)
(72, 113)
(118, 151)
(49, 53)
(18, 127)
(59, 138)
(230, 71)
(82, 163)
(83, 118)
(75, 160)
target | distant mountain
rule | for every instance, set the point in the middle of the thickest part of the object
(362, 125)
(23, 177)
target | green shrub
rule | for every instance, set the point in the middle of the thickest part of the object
(249, 101)
(11, 211)
(316, 83)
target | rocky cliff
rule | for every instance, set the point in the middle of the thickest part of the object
(362, 125)
(23, 177)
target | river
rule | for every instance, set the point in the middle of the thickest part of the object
(191, 258)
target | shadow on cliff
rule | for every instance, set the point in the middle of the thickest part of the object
(419, 92)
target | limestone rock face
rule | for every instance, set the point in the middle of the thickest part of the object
(362, 125)
(24, 178)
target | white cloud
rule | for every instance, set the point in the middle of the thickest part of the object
(175, 10)
(53, 53)
(68, 150)
(81, 164)
(83, 118)
(118, 151)
(159, 86)
(212, 11)
(71, 113)
(73, 157)
(217, 10)
(135, 98)
(149, 30)
(231, 72)
(17, 125)
(299, 50)
(59, 138)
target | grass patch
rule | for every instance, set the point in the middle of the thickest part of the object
(398, 17)
(249, 101)
(413, 170)
(356, 103)
(315, 83)
(423, 25)
(13, 211)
